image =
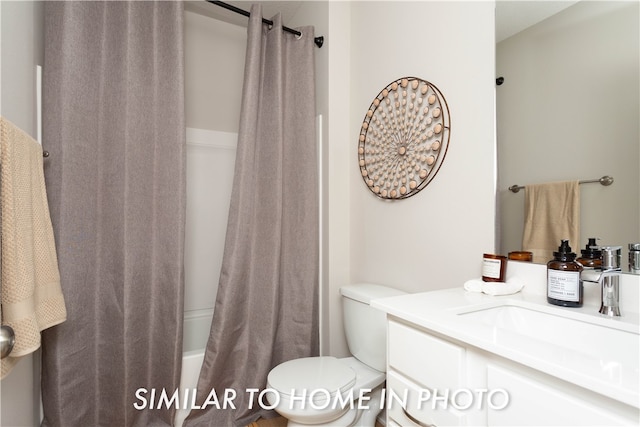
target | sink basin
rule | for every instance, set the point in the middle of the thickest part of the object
(606, 342)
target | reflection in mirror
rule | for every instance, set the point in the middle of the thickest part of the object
(568, 110)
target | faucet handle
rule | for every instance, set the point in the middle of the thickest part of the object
(611, 257)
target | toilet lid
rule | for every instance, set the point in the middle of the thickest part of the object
(312, 373)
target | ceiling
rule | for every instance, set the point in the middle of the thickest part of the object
(515, 16)
(512, 16)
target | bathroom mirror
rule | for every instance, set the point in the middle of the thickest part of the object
(568, 110)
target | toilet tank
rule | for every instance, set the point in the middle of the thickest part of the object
(365, 326)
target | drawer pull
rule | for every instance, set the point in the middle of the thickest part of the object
(416, 421)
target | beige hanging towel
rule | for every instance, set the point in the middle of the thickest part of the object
(31, 295)
(552, 213)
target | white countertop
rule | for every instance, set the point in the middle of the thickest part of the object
(611, 370)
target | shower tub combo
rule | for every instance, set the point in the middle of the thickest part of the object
(197, 324)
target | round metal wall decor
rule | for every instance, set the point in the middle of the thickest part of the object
(404, 138)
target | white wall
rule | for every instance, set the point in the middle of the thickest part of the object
(214, 68)
(569, 109)
(21, 49)
(436, 238)
(339, 155)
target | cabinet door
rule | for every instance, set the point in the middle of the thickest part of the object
(408, 404)
(536, 403)
(427, 360)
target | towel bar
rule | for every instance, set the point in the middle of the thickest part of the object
(605, 180)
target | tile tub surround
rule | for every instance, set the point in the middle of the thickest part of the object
(439, 312)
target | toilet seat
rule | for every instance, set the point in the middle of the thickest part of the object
(346, 386)
(307, 374)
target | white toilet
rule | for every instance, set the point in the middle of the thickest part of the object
(325, 390)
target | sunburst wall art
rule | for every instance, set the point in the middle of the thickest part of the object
(404, 138)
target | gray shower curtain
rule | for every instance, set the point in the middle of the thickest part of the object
(266, 310)
(114, 125)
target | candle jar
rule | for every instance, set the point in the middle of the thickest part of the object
(494, 268)
(521, 256)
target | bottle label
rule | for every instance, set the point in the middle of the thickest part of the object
(491, 268)
(563, 285)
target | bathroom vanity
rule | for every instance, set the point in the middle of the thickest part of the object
(459, 358)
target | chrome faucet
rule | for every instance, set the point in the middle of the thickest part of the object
(634, 258)
(608, 279)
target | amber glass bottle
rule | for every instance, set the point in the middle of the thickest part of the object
(591, 255)
(521, 256)
(563, 278)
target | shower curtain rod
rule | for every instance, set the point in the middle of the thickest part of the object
(319, 41)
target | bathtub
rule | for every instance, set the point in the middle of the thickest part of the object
(197, 324)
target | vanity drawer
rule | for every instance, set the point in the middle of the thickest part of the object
(392, 423)
(405, 408)
(427, 360)
(564, 405)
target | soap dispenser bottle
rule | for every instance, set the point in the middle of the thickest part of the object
(591, 255)
(563, 278)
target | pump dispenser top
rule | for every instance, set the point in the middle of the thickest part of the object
(591, 255)
(564, 252)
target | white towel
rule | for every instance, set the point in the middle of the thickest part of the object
(511, 286)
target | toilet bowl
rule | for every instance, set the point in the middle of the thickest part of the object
(338, 392)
